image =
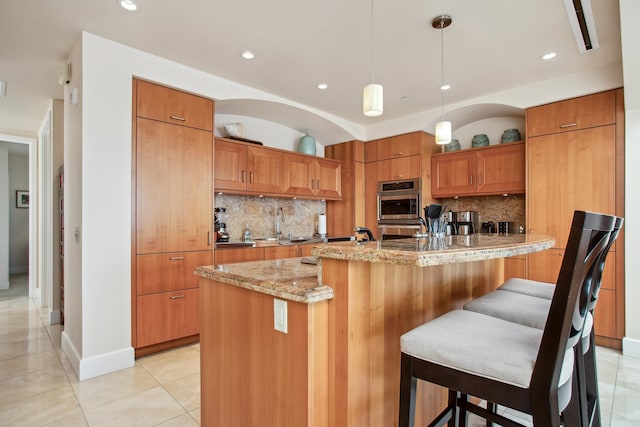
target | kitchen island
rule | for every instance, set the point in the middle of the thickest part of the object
(338, 363)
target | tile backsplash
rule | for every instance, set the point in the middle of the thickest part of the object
(298, 217)
(492, 208)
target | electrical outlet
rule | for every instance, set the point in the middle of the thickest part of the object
(280, 315)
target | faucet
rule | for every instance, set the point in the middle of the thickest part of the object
(423, 223)
(277, 223)
(365, 231)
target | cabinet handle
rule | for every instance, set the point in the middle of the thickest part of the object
(176, 297)
(398, 154)
(470, 179)
(251, 177)
(244, 176)
(568, 125)
(397, 176)
(317, 184)
(176, 258)
(209, 238)
(312, 183)
(182, 119)
(479, 179)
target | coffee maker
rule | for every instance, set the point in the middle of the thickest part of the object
(466, 222)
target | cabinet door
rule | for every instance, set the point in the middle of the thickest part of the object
(299, 175)
(573, 114)
(453, 174)
(400, 146)
(370, 197)
(230, 256)
(328, 179)
(173, 106)
(169, 272)
(280, 252)
(230, 166)
(400, 168)
(569, 171)
(514, 267)
(173, 188)
(544, 266)
(266, 170)
(167, 316)
(501, 169)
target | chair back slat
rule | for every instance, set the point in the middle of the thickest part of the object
(588, 240)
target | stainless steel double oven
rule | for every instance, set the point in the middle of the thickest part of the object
(399, 208)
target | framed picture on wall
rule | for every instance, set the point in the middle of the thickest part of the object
(22, 199)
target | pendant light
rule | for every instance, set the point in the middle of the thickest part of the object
(372, 94)
(443, 128)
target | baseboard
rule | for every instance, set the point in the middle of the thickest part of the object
(54, 317)
(631, 347)
(20, 269)
(94, 366)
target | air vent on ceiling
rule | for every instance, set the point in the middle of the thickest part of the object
(582, 23)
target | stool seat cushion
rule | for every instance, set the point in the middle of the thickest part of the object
(529, 287)
(512, 306)
(481, 345)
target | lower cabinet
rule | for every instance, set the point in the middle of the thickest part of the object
(230, 256)
(167, 316)
(515, 266)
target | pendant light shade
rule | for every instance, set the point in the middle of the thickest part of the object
(443, 133)
(443, 128)
(372, 100)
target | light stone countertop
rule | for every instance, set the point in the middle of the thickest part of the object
(426, 252)
(293, 280)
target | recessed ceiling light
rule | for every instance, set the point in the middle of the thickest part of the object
(130, 5)
(247, 54)
(445, 87)
(548, 56)
(322, 86)
(404, 98)
(3, 89)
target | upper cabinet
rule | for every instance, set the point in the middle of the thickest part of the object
(409, 144)
(243, 168)
(573, 114)
(490, 170)
(172, 106)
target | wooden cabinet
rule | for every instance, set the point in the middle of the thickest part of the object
(233, 255)
(167, 316)
(172, 217)
(173, 188)
(344, 215)
(307, 176)
(572, 114)
(242, 168)
(578, 167)
(515, 266)
(173, 106)
(497, 169)
(408, 144)
(400, 168)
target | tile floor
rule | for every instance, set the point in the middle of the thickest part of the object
(38, 387)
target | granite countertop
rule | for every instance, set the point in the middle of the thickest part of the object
(293, 280)
(289, 278)
(425, 252)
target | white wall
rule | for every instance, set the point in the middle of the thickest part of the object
(18, 217)
(630, 31)
(4, 216)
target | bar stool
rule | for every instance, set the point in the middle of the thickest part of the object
(527, 302)
(521, 367)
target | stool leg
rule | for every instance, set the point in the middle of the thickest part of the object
(591, 384)
(408, 383)
(493, 408)
(463, 415)
(453, 404)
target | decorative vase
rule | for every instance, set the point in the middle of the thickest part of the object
(307, 145)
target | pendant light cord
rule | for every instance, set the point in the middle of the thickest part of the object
(442, 65)
(372, 61)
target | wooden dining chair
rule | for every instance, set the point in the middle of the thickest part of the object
(517, 366)
(527, 302)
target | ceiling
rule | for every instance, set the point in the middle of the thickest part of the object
(492, 46)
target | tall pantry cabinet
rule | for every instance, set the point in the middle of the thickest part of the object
(575, 158)
(172, 213)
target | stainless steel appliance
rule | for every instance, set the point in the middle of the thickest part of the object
(488, 227)
(399, 202)
(506, 227)
(466, 222)
(397, 231)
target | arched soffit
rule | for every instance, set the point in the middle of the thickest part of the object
(463, 116)
(323, 130)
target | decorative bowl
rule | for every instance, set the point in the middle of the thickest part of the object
(454, 145)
